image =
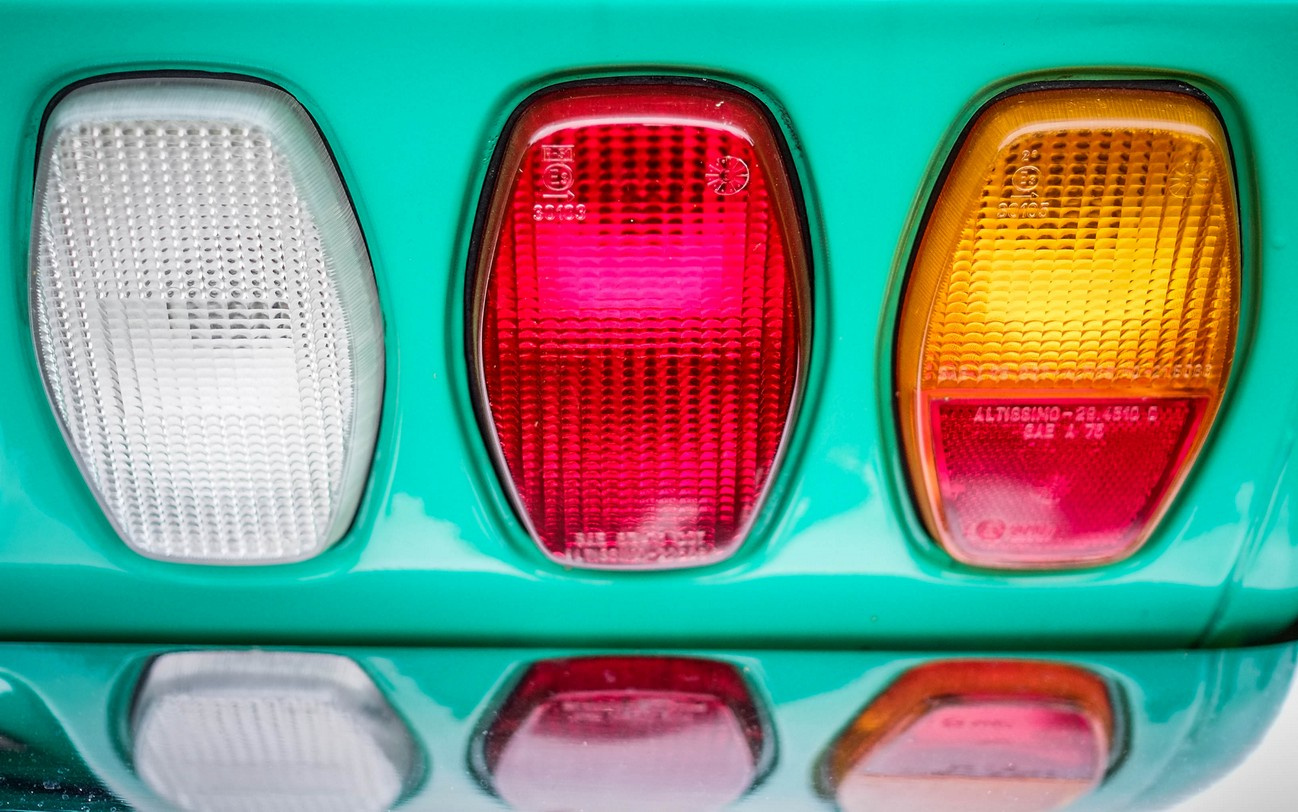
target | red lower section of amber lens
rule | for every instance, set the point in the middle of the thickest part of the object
(1053, 480)
(625, 733)
(641, 326)
(979, 735)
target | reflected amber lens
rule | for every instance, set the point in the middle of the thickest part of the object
(976, 735)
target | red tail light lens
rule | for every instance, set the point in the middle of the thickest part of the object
(639, 319)
(625, 733)
(976, 735)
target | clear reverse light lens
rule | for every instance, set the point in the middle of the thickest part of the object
(256, 730)
(205, 317)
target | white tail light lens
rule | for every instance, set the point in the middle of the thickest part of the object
(205, 317)
(256, 730)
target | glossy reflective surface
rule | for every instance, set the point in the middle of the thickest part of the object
(489, 729)
(994, 734)
(259, 730)
(629, 733)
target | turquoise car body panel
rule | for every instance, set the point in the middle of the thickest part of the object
(411, 97)
(1186, 718)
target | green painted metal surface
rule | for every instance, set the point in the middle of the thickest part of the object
(1184, 718)
(411, 95)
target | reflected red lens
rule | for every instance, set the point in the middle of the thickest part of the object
(1006, 736)
(641, 319)
(625, 733)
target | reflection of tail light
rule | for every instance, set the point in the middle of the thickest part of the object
(1068, 323)
(1008, 736)
(639, 318)
(247, 730)
(625, 733)
(205, 317)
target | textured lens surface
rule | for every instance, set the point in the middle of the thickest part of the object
(1093, 251)
(976, 735)
(273, 731)
(641, 321)
(1042, 480)
(1084, 246)
(625, 733)
(206, 318)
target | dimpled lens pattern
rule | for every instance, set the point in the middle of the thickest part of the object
(1085, 246)
(641, 332)
(1009, 497)
(206, 318)
(1092, 252)
(247, 731)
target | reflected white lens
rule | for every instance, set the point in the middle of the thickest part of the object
(248, 731)
(205, 317)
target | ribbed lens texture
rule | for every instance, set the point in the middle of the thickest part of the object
(190, 323)
(625, 733)
(1091, 255)
(1019, 480)
(1069, 323)
(641, 331)
(272, 731)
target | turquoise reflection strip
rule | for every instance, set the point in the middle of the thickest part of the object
(1185, 717)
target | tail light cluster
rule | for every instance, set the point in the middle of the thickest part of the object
(640, 319)
(1068, 323)
(207, 323)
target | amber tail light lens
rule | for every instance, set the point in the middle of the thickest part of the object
(1068, 323)
(1011, 736)
(638, 320)
(625, 733)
